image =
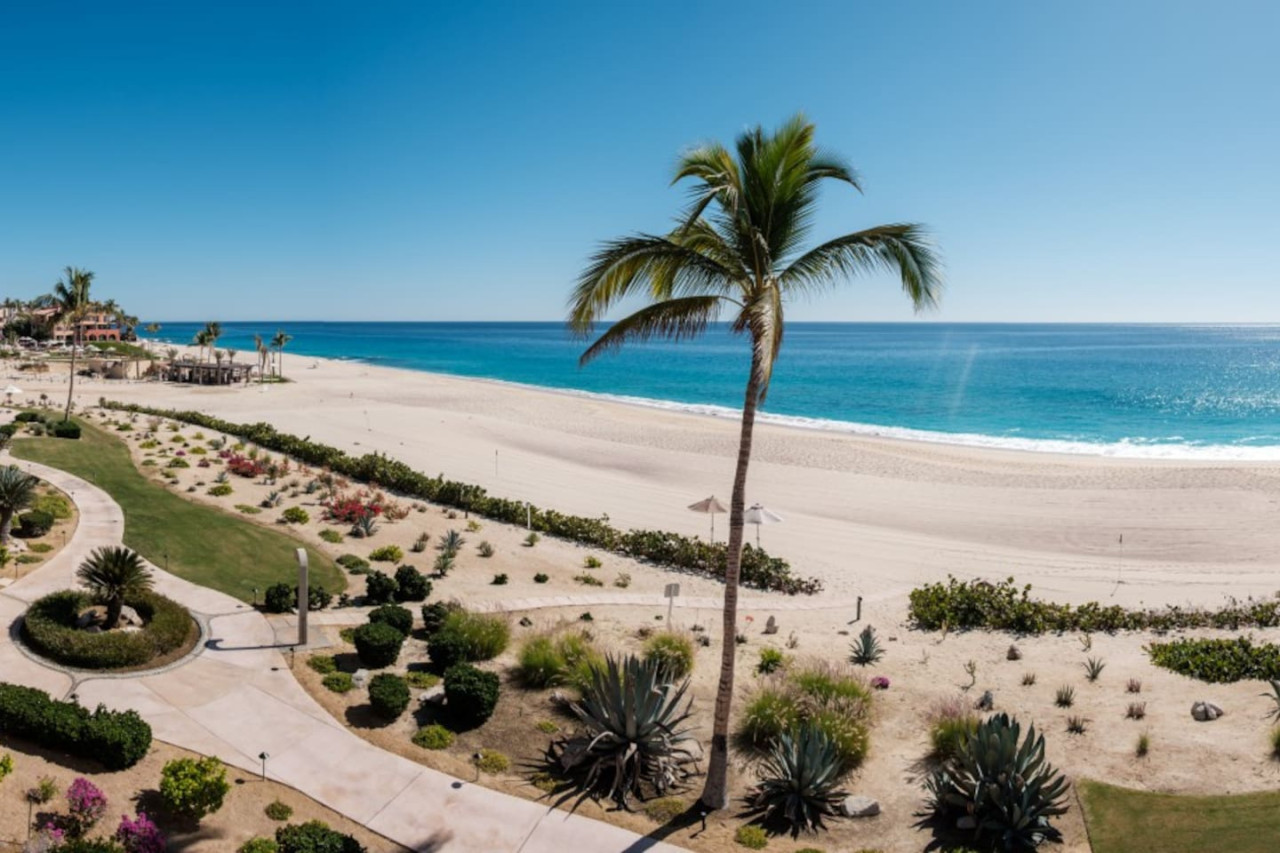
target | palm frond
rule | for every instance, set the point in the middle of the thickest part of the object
(675, 319)
(902, 248)
(718, 179)
(630, 265)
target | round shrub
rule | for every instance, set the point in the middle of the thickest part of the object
(378, 644)
(388, 695)
(66, 429)
(338, 682)
(673, 652)
(193, 788)
(470, 694)
(434, 736)
(411, 584)
(315, 836)
(33, 524)
(400, 618)
(433, 615)
(379, 588)
(353, 564)
(49, 628)
(465, 637)
(295, 515)
(281, 598)
(277, 810)
(387, 554)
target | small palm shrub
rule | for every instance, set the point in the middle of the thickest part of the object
(635, 736)
(411, 584)
(388, 695)
(379, 588)
(451, 543)
(1093, 668)
(434, 736)
(799, 781)
(193, 788)
(377, 644)
(866, 649)
(443, 565)
(113, 574)
(400, 618)
(470, 694)
(465, 637)
(1003, 782)
(1274, 712)
(771, 660)
(951, 724)
(672, 652)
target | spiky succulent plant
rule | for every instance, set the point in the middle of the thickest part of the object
(1003, 781)
(636, 741)
(799, 781)
(866, 650)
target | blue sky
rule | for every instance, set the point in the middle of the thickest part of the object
(431, 161)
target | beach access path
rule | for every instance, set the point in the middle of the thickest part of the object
(235, 698)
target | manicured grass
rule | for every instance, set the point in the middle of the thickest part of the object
(204, 545)
(1125, 821)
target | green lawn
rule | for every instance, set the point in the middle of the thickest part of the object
(1125, 821)
(199, 543)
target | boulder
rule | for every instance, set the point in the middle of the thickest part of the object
(360, 677)
(987, 702)
(129, 616)
(771, 627)
(1205, 712)
(856, 806)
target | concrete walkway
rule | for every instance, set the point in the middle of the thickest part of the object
(235, 698)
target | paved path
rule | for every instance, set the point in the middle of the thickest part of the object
(235, 698)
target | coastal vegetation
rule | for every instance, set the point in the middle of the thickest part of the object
(194, 541)
(739, 250)
(759, 570)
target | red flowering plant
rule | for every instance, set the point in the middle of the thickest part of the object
(244, 466)
(353, 509)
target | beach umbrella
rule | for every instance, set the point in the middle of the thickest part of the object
(758, 515)
(710, 506)
(10, 391)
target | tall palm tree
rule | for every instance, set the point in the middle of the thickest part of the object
(113, 574)
(213, 331)
(739, 250)
(262, 357)
(71, 299)
(280, 339)
(17, 491)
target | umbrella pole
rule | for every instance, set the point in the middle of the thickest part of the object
(713, 528)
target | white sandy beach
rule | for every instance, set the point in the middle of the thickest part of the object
(870, 516)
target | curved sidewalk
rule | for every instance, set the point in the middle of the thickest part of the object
(235, 698)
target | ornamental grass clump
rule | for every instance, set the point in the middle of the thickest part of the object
(636, 741)
(829, 697)
(951, 723)
(672, 651)
(550, 660)
(465, 637)
(1001, 781)
(799, 781)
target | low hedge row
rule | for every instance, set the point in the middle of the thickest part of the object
(49, 628)
(1002, 606)
(1219, 661)
(759, 570)
(115, 739)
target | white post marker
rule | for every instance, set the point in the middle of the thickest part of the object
(304, 597)
(671, 591)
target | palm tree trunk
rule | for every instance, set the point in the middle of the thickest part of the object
(715, 794)
(71, 386)
(6, 524)
(114, 605)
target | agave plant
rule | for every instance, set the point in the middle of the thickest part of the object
(636, 740)
(364, 526)
(866, 649)
(1274, 696)
(799, 781)
(1004, 783)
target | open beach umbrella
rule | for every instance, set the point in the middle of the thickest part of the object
(10, 391)
(710, 506)
(758, 515)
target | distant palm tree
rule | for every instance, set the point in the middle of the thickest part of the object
(114, 574)
(280, 339)
(262, 357)
(17, 491)
(152, 328)
(213, 331)
(745, 258)
(71, 300)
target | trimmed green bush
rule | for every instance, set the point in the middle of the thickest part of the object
(1218, 661)
(66, 429)
(323, 664)
(377, 644)
(49, 628)
(338, 682)
(333, 537)
(433, 615)
(388, 695)
(470, 694)
(465, 637)
(295, 515)
(280, 598)
(315, 836)
(379, 588)
(434, 736)
(400, 618)
(33, 524)
(193, 788)
(387, 554)
(116, 739)
(411, 584)
(352, 563)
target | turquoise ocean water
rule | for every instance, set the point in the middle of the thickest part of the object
(1127, 390)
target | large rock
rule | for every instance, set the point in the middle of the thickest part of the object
(360, 677)
(856, 806)
(1206, 712)
(771, 627)
(129, 616)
